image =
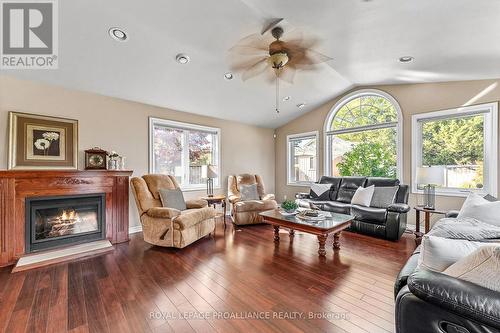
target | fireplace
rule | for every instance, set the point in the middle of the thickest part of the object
(64, 220)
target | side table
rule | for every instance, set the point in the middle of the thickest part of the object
(217, 200)
(427, 221)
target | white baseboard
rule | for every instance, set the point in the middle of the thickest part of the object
(134, 229)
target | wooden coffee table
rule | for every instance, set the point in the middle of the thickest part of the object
(335, 223)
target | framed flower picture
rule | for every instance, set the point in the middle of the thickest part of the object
(42, 142)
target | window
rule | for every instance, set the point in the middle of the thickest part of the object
(463, 142)
(184, 151)
(302, 157)
(363, 136)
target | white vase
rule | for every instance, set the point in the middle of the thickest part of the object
(122, 163)
(112, 164)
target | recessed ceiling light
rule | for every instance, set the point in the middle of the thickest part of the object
(228, 76)
(182, 58)
(301, 105)
(286, 98)
(406, 59)
(118, 34)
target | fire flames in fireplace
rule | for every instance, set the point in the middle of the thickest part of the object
(66, 222)
(63, 224)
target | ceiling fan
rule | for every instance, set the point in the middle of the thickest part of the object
(275, 58)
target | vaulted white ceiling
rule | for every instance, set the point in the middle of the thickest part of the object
(450, 40)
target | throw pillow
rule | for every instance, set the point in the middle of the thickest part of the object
(249, 192)
(363, 196)
(384, 196)
(465, 228)
(320, 191)
(479, 208)
(437, 253)
(481, 267)
(172, 198)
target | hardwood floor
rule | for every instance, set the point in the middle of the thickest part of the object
(212, 285)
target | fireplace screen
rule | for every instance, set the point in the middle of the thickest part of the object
(56, 221)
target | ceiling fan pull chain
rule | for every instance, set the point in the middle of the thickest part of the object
(277, 91)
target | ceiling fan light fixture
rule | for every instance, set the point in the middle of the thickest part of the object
(278, 60)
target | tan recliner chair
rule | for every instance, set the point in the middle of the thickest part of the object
(168, 226)
(247, 212)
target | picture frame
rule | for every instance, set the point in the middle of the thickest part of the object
(42, 142)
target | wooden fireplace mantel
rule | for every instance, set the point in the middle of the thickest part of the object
(17, 185)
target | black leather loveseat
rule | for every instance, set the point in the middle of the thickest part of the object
(387, 221)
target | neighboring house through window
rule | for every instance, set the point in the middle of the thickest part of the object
(363, 136)
(183, 150)
(463, 142)
(302, 158)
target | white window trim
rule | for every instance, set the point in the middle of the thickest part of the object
(346, 99)
(188, 126)
(490, 147)
(289, 160)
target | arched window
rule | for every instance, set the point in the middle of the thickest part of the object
(363, 136)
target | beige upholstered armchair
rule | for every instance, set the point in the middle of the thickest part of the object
(168, 226)
(247, 212)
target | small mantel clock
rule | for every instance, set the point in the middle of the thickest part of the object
(95, 159)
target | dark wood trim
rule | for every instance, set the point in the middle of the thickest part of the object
(16, 185)
(63, 173)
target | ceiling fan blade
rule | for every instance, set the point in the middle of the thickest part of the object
(287, 74)
(294, 34)
(296, 55)
(306, 57)
(243, 64)
(249, 50)
(304, 43)
(255, 40)
(270, 75)
(258, 68)
(314, 57)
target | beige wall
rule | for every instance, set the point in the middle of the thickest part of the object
(120, 125)
(413, 99)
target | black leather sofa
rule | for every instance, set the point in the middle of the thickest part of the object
(385, 222)
(432, 302)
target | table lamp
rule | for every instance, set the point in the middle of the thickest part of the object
(211, 175)
(430, 177)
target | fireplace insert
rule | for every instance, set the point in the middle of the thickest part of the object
(64, 220)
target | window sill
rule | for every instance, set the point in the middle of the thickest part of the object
(300, 184)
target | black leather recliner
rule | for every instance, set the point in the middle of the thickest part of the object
(385, 222)
(432, 302)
